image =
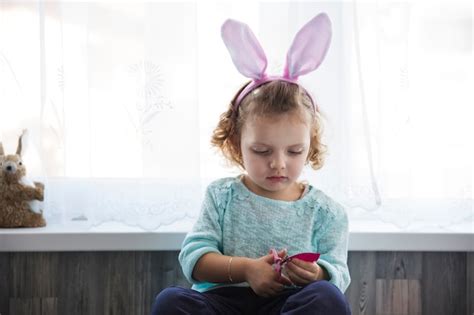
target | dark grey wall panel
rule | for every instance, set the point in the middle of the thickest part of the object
(444, 283)
(399, 265)
(4, 281)
(361, 292)
(126, 282)
(470, 284)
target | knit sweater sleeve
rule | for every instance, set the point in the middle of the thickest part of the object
(332, 242)
(206, 235)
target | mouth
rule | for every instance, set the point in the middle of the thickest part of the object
(9, 171)
(276, 179)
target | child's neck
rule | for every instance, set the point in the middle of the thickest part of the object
(292, 193)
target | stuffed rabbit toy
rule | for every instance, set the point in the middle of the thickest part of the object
(18, 197)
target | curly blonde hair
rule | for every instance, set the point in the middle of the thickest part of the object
(269, 100)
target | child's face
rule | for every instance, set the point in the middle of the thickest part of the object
(274, 151)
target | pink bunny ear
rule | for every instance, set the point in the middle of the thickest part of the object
(309, 47)
(244, 48)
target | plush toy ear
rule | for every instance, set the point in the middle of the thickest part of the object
(21, 140)
(245, 50)
(1, 149)
(309, 47)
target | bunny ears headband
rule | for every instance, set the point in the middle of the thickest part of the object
(306, 53)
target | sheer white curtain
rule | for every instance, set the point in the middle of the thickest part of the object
(109, 93)
(410, 104)
(121, 100)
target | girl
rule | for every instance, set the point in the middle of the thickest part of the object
(271, 130)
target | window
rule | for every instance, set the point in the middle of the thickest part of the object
(121, 99)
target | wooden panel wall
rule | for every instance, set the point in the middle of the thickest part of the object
(392, 283)
(411, 283)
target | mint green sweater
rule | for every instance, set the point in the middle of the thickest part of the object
(237, 222)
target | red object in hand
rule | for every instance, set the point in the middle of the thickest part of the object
(278, 262)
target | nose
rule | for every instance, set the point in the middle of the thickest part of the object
(10, 167)
(278, 162)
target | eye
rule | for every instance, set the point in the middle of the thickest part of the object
(295, 152)
(21, 163)
(261, 152)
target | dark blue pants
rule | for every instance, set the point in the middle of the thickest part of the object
(319, 297)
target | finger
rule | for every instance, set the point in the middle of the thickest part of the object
(295, 278)
(312, 269)
(277, 286)
(304, 274)
(282, 253)
(305, 270)
(285, 280)
(305, 264)
(268, 258)
(275, 290)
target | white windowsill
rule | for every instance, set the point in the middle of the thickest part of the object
(364, 236)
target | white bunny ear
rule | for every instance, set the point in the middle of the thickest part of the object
(244, 48)
(309, 47)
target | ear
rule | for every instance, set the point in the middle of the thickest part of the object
(1, 149)
(309, 47)
(20, 147)
(245, 50)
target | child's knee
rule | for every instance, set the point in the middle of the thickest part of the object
(170, 293)
(176, 300)
(321, 297)
(323, 285)
(326, 289)
(167, 299)
(332, 295)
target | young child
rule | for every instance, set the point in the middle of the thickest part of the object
(271, 130)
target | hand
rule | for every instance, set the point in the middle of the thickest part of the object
(39, 185)
(263, 279)
(302, 272)
(39, 193)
